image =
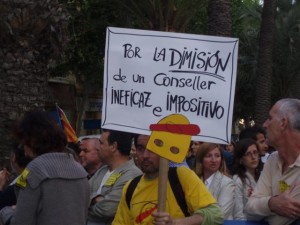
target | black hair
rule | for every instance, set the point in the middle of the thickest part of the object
(39, 131)
(123, 140)
(251, 132)
(240, 150)
(74, 146)
(18, 152)
(135, 138)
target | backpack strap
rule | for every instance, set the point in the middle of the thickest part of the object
(131, 187)
(177, 190)
(175, 185)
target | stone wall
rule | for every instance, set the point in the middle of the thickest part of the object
(21, 90)
(33, 33)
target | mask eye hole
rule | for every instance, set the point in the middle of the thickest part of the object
(174, 150)
(158, 142)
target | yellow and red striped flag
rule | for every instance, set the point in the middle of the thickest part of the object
(66, 126)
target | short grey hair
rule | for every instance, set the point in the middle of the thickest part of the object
(290, 108)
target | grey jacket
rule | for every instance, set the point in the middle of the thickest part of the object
(104, 211)
(54, 191)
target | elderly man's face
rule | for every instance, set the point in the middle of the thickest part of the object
(273, 126)
(89, 152)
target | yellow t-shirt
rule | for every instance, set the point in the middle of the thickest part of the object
(144, 199)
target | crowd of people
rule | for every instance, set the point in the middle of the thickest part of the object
(114, 178)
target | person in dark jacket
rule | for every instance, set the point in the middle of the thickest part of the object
(18, 162)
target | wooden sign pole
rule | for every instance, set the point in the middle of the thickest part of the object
(162, 184)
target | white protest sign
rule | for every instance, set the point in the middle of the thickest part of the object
(149, 75)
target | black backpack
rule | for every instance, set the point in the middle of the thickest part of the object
(175, 185)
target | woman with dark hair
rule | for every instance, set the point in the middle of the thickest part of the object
(230, 147)
(191, 155)
(53, 188)
(245, 174)
(210, 166)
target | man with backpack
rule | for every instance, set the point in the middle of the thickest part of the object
(188, 200)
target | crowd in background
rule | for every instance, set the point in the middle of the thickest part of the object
(113, 178)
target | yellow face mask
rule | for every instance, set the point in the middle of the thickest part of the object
(170, 137)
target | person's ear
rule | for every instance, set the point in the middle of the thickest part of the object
(284, 122)
(114, 146)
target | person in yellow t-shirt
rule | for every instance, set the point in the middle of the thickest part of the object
(142, 209)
